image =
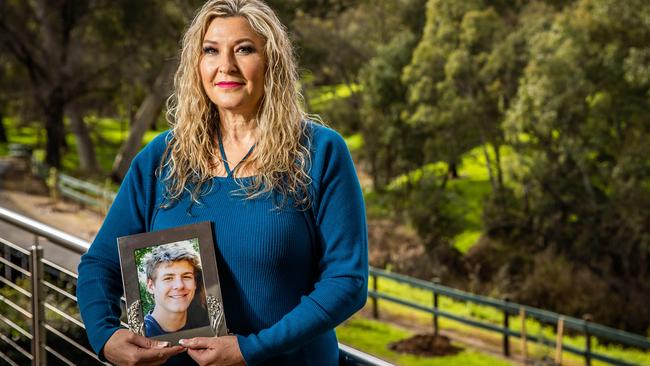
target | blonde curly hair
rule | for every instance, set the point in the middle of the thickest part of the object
(281, 154)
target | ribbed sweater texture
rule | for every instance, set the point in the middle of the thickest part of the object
(288, 275)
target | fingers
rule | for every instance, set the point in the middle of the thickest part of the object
(127, 348)
(144, 342)
(197, 342)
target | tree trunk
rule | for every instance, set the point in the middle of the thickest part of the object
(3, 131)
(497, 160)
(85, 146)
(53, 112)
(147, 113)
(452, 170)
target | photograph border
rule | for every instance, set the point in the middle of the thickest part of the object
(127, 245)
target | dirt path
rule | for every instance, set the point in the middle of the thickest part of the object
(24, 194)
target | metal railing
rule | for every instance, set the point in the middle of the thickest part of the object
(80, 191)
(85, 192)
(51, 292)
(508, 309)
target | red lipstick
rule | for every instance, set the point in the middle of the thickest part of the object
(229, 84)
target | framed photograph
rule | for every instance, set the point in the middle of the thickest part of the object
(171, 283)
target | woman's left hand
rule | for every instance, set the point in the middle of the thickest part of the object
(208, 351)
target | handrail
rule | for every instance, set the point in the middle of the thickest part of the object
(348, 355)
(56, 236)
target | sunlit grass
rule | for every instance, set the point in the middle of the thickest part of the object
(466, 240)
(320, 96)
(373, 337)
(354, 142)
(107, 135)
(491, 315)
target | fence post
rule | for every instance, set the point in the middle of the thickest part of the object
(506, 328)
(106, 198)
(38, 307)
(524, 336)
(375, 304)
(587, 318)
(53, 184)
(558, 341)
(436, 328)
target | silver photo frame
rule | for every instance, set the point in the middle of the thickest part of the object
(202, 304)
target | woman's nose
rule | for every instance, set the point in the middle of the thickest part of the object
(227, 63)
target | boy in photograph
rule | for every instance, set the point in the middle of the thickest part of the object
(173, 275)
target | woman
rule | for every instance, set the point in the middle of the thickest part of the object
(281, 191)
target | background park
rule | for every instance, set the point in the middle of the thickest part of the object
(503, 148)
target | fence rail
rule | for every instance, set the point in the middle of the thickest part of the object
(508, 309)
(46, 281)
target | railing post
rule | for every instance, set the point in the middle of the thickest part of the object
(506, 329)
(375, 304)
(436, 327)
(7, 255)
(558, 342)
(38, 307)
(524, 335)
(587, 318)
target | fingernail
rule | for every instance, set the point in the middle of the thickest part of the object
(182, 342)
(162, 344)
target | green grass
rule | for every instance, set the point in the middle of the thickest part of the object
(319, 97)
(354, 142)
(473, 188)
(491, 315)
(373, 337)
(106, 133)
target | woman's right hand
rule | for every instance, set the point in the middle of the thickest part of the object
(127, 348)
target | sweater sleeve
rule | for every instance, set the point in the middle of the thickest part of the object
(341, 286)
(99, 286)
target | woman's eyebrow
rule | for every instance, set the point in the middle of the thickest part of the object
(237, 41)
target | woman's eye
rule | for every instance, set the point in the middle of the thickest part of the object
(209, 50)
(246, 50)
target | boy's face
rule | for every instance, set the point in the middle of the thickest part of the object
(173, 286)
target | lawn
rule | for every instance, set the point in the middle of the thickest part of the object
(373, 337)
(491, 315)
(106, 133)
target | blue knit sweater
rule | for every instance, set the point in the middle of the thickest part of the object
(288, 276)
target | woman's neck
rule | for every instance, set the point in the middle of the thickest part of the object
(237, 128)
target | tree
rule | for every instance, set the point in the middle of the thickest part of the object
(579, 124)
(145, 116)
(157, 63)
(45, 38)
(391, 145)
(462, 77)
(75, 50)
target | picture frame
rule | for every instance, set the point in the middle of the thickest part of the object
(171, 275)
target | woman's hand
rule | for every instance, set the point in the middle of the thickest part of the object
(127, 348)
(214, 351)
